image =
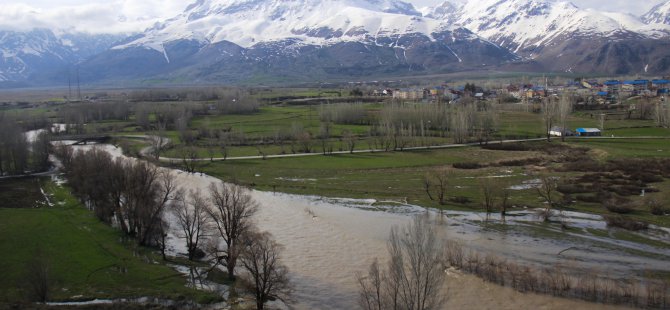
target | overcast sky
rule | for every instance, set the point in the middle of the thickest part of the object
(119, 16)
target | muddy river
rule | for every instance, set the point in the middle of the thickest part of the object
(327, 241)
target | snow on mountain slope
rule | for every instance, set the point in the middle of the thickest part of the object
(39, 50)
(524, 25)
(313, 22)
(659, 14)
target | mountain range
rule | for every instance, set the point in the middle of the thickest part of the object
(247, 41)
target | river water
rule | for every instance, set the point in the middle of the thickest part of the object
(328, 241)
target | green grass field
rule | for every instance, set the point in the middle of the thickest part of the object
(86, 258)
(397, 176)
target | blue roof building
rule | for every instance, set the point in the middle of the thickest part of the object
(588, 132)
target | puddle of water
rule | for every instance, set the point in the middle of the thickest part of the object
(529, 184)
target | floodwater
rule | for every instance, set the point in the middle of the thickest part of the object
(328, 241)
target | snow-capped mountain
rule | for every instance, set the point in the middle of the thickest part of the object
(659, 14)
(312, 22)
(25, 55)
(226, 39)
(306, 40)
(561, 36)
(523, 25)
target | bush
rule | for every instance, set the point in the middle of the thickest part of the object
(583, 166)
(523, 147)
(460, 199)
(647, 177)
(656, 207)
(468, 166)
(572, 189)
(520, 162)
(620, 221)
(619, 206)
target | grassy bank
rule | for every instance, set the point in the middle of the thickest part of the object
(85, 258)
(398, 176)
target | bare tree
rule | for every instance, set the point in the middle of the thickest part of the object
(40, 151)
(157, 188)
(414, 278)
(223, 145)
(505, 195)
(371, 294)
(158, 141)
(436, 185)
(38, 277)
(324, 137)
(548, 111)
(488, 190)
(160, 236)
(193, 221)
(261, 258)
(662, 115)
(548, 191)
(349, 139)
(563, 111)
(189, 158)
(231, 210)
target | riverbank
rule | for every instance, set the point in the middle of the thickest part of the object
(84, 258)
(328, 241)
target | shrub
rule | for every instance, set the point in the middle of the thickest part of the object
(583, 166)
(647, 177)
(523, 147)
(520, 162)
(460, 199)
(656, 207)
(572, 189)
(619, 205)
(468, 166)
(620, 221)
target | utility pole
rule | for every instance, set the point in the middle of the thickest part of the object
(69, 84)
(602, 121)
(78, 86)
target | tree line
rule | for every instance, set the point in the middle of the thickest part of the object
(137, 197)
(17, 154)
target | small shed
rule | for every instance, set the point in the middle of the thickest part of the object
(560, 132)
(589, 132)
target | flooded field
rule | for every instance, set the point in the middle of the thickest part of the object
(328, 241)
(21, 193)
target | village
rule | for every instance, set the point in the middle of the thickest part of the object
(592, 91)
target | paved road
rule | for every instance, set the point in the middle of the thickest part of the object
(445, 146)
(146, 152)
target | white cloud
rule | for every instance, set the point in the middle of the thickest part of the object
(116, 16)
(126, 16)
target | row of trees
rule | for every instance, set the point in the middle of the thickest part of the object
(555, 111)
(662, 115)
(17, 154)
(133, 195)
(138, 197)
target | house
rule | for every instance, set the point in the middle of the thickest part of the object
(637, 86)
(560, 132)
(409, 94)
(613, 86)
(588, 132)
(661, 86)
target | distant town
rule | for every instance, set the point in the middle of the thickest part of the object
(592, 90)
